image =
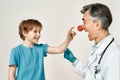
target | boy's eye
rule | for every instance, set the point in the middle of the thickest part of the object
(35, 31)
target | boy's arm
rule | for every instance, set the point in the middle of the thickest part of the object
(64, 45)
(12, 72)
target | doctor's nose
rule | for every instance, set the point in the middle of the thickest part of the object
(83, 26)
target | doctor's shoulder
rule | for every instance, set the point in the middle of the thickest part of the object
(112, 55)
(113, 49)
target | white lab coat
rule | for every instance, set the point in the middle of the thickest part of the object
(110, 63)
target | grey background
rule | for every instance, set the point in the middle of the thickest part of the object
(57, 16)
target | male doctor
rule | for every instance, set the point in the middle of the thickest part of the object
(104, 61)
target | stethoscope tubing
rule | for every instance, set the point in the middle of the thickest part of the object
(105, 50)
(97, 67)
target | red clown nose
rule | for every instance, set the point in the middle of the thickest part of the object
(79, 28)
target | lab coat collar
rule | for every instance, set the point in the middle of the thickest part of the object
(103, 44)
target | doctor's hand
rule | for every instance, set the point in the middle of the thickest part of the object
(69, 55)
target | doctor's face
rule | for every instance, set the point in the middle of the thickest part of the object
(89, 26)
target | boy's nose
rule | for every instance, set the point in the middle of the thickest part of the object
(38, 34)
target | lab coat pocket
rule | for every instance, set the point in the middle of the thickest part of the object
(98, 76)
(89, 76)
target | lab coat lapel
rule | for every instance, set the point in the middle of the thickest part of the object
(100, 50)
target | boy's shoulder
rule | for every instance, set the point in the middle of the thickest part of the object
(17, 47)
(20, 46)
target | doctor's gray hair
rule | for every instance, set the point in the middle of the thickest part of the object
(100, 12)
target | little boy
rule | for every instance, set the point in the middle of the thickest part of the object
(27, 59)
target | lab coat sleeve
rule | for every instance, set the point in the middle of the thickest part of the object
(79, 68)
(112, 70)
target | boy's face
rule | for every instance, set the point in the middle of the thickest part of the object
(33, 35)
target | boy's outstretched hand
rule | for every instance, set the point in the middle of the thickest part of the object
(69, 55)
(71, 34)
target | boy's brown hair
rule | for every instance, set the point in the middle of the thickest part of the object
(27, 25)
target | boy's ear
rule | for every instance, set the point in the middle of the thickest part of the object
(24, 33)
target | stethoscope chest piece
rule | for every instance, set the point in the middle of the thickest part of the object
(97, 68)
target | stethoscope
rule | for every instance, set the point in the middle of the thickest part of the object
(97, 67)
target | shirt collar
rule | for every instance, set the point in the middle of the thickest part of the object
(105, 40)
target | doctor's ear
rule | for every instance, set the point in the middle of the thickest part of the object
(98, 24)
